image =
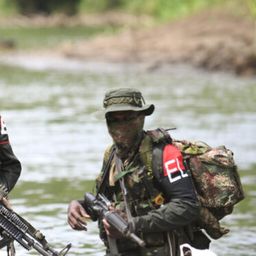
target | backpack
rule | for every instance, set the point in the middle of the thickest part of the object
(215, 177)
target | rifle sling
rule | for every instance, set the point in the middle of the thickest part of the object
(119, 166)
(105, 171)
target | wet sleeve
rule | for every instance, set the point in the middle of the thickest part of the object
(10, 167)
(177, 186)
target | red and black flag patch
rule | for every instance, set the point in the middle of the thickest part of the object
(173, 164)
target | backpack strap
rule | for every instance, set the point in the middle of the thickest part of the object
(157, 161)
(105, 171)
(159, 138)
(160, 135)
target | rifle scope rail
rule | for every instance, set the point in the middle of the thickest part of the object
(12, 226)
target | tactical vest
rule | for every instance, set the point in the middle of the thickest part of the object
(143, 190)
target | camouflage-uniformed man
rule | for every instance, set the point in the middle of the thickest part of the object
(160, 209)
(10, 167)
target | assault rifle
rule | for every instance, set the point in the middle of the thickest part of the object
(14, 227)
(98, 207)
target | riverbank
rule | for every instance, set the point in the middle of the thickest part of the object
(214, 40)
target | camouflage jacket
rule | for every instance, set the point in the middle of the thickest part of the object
(10, 167)
(157, 206)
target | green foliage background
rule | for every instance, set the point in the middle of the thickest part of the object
(160, 9)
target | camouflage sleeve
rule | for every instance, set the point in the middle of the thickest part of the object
(170, 216)
(10, 167)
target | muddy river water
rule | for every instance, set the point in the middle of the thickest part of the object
(49, 106)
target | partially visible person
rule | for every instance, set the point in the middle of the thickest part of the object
(10, 167)
(146, 179)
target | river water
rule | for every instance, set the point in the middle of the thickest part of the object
(49, 106)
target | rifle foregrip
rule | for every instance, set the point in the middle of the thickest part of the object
(122, 226)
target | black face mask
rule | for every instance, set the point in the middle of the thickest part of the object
(126, 133)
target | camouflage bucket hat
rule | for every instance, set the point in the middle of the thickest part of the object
(126, 99)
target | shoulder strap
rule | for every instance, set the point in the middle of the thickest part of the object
(102, 186)
(160, 135)
(151, 150)
(160, 138)
(151, 177)
(157, 161)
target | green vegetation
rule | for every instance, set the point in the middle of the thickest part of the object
(252, 7)
(160, 9)
(28, 7)
(47, 37)
(6, 8)
(27, 37)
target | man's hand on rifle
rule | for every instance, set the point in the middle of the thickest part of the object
(77, 216)
(5, 202)
(110, 230)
